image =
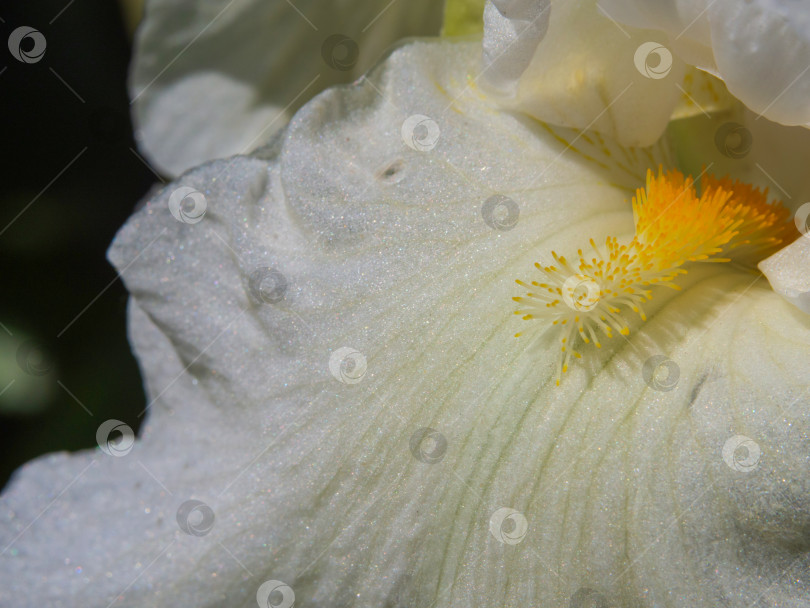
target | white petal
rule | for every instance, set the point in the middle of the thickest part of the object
(685, 22)
(512, 31)
(213, 78)
(702, 93)
(101, 520)
(789, 269)
(568, 65)
(384, 250)
(761, 48)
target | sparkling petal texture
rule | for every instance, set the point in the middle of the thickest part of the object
(761, 48)
(211, 78)
(512, 31)
(567, 64)
(613, 488)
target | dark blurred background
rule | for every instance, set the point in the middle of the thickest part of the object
(71, 177)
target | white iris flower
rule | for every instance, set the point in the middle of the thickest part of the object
(339, 412)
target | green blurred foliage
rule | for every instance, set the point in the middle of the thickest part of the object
(71, 180)
(463, 17)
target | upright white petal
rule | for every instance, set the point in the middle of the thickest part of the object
(685, 22)
(564, 63)
(434, 462)
(213, 78)
(761, 48)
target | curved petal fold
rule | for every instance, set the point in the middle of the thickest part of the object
(214, 78)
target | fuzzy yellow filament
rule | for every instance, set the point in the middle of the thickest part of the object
(727, 221)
